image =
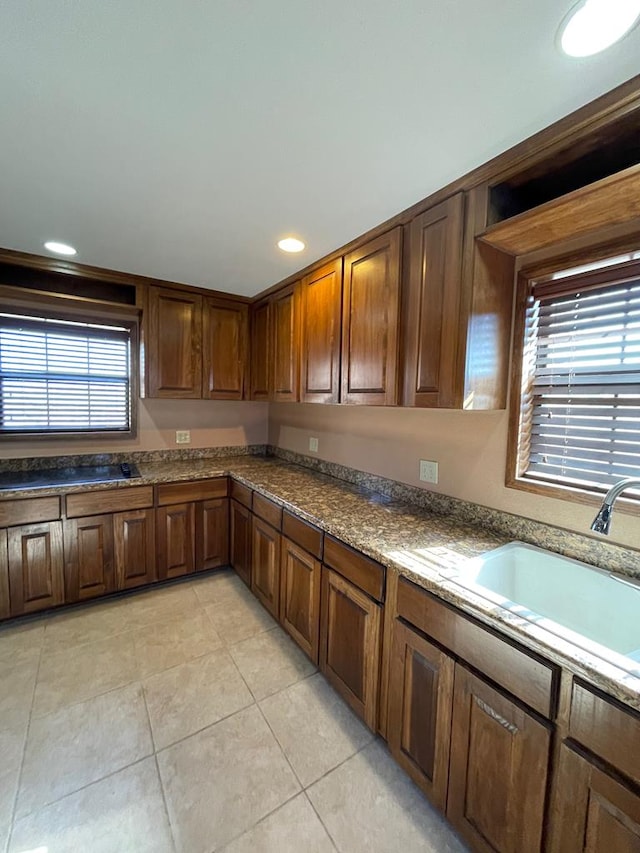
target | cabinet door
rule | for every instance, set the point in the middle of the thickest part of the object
(420, 706)
(36, 578)
(212, 534)
(265, 564)
(241, 541)
(135, 548)
(173, 344)
(225, 336)
(5, 606)
(89, 558)
(300, 576)
(592, 812)
(174, 536)
(432, 306)
(320, 335)
(261, 357)
(285, 343)
(350, 644)
(498, 769)
(370, 319)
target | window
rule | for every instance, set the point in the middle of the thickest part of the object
(578, 410)
(66, 375)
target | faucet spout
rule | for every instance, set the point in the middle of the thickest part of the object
(602, 522)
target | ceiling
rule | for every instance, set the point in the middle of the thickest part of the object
(180, 139)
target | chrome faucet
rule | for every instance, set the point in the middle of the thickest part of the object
(602, 522)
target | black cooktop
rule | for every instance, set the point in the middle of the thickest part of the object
(67, 476)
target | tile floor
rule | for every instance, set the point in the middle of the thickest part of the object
(184, 719)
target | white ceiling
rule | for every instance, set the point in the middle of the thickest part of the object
(181, 138)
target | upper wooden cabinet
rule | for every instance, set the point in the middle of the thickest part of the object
(285, 320)
(225, 339)
(370, 317)
(173, 344)
(261, 355)
(320, 334)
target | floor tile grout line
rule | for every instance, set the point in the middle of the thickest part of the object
(204, 728)
(257, 823)
(322, 823)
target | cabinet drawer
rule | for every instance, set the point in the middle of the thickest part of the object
(267, 510)
(200, 490)
(360, 570)
(29, 511)
(521, 673)
(241, 493)
(303, 534)
(113, 500)
(607, 729)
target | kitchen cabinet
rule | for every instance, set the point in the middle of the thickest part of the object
(265, 564)
(89, 557)
(175, 540)
(173, 344)
(225, 347)
(36, 566)
(300, 580)
(261, 355)
(5, 603)
(285, 343)
(135, 548)
(212, 534)
(370, 322)
(241, 536)
(320, 334)
(420, 709)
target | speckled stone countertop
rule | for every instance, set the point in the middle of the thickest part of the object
(424, 547)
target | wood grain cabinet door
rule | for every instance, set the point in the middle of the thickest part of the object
(240, 547)
(36, 561)
(225, 338)
(300, 577)
(135, 548)
(285, 343)
(265, 565)
(175, 539)
(592, 812)
(320, 335)
(420, 707)
(5, 603)
(498, 770)
(212, 534)
(173, 344)
(350, 636)
(370, 320)
(89, 557)
(432, 305)
(261, 355)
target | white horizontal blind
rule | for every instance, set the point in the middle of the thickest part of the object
(580, 420)
(61, 376)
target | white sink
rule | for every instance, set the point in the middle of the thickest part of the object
(595, 609)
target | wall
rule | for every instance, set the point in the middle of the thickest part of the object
(470, 448)
(213, 423)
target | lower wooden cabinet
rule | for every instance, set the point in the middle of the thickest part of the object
(174, 540)
(36, 560)
(420, 707)
(592, 811)
(300, 577)
(498, 769)
(135, 548)
(89, 569)
(5, 601)
(212, 534)
(350, 636)
(265, 564)
(240, 546)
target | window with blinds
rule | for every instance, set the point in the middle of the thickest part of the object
(580, 389)
(64, 376)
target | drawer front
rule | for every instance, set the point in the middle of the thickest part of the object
(533, 681)
(607, 729)
(267, 510)
(360, 570)
(303, 534)
(113, 500)
(200, 490)
(241, 493)
(29, 511)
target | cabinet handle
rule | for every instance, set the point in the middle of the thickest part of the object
(496, 716)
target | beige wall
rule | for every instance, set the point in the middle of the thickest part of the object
(212, 424)
(470, 448)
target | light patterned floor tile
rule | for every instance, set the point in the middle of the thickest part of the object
(270, 662)
(176, 642)
(221, 588)
(237, 620)
(156, 606)
(21, 641)
(86, 624)
(16, 690)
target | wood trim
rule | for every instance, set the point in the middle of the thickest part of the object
(302, 533)
(112, 500)
(198, 490)
(362, 571)
(267, 510)
(241, 493)
(29, 511)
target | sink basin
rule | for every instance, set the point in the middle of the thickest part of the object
(594, 609)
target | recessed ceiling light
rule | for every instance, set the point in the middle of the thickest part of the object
(291, 244)
(59, 248)
(594, 25)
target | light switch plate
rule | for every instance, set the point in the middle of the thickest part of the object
(313, 445)
(428, 471)
(183, 436)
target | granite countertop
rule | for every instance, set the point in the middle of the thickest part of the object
(421, 546)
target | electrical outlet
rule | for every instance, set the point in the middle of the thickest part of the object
(313, 445)
(183, 436)
(428, 471)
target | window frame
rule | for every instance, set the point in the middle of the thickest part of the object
(526, 279)
(78, 309)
